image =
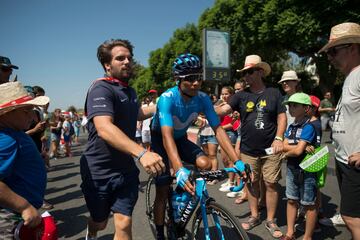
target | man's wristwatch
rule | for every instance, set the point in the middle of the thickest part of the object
(279, 138)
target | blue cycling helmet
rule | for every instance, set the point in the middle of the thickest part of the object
(186, 64)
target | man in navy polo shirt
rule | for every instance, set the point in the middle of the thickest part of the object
(109, 174)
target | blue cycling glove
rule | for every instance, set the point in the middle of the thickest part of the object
(182, 175)
(239, 165)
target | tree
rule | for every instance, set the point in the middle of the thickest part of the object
(184, 40)
(273, 28)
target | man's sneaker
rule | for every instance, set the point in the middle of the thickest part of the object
(336, 220)
(301, 227)
(234, 194)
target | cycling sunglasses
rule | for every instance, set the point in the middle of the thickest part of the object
(335, 50)
(191, 77)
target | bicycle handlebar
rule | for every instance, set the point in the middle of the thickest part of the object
(222, 174)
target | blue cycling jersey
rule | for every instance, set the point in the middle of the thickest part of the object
(174, 111)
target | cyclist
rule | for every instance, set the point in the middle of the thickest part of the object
(177, 108)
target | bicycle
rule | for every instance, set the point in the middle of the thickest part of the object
(211, 219)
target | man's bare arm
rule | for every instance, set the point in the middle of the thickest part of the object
(146, 112)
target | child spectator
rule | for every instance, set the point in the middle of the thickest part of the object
(66, 127)
(301, 186)
(22, 170)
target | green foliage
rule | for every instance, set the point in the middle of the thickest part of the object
(269, 28)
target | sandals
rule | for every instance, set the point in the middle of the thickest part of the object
(251, 222)
(272, 227)
(286, 237)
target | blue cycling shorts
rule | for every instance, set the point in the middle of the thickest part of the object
(188, 152)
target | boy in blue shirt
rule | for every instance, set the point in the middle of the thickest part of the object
(22, 170)
(301, 186)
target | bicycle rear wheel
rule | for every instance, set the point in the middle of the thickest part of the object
(230, 226)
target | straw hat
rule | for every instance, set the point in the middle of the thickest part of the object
(14, 95)
(254, 61)
(342, 34)
(288, 76)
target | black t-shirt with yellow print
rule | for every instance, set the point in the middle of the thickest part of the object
(258, 114)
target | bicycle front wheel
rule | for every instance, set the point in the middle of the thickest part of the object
(230, 226)
(150, 193)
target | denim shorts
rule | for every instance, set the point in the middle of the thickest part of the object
(117, 194)
(301, 186)
(188, 152)
(232, 136)
(208, 139)
(54, 137)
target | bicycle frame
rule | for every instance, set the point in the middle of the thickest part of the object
(203, 196)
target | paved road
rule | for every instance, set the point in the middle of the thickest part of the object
(70, 210)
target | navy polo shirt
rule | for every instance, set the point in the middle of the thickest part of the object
(110, 99)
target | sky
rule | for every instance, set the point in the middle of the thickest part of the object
(54, 42)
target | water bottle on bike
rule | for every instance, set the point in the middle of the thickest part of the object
(179, 200)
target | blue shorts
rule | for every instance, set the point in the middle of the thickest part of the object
(188, 152)
(208, 139)
(232, 136)
(118, 194)
(67, 138)
(301, 186)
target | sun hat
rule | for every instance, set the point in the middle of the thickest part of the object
(315, 101)
(301, 98)
(343, 33)
(152, 91)
(254, 61)
(288, 76)
(5, 62)
(14, 95)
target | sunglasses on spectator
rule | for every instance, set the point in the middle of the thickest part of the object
(250, 71)
(191, 77)
(6, 69)
(335, 50)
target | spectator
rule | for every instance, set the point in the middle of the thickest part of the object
(227, 123)
(263, 122)
(213, 98)
(290, 83)
(208, 143)
(343, 52)
(300, 185)
(22, 170)
(55, 129)
(77, 126)
(239, 86)
(108, 161)
(145, 128)
(6, 69)
(153, 96)
(66, 133)
(327, 110)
